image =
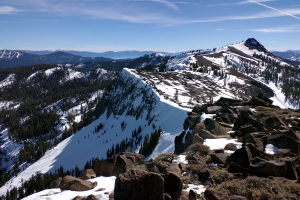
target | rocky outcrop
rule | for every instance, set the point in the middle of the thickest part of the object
(75, 184)
(88, 174)
(173, 185)
(230, 147)
(125, 161)
(137, 185)
(258, 163)
(104, 167)
(118, 164)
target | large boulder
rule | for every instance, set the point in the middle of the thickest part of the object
(162, 164)
(180, 145)
(75, 184)
(192, 195)
(56, 183)
(285, 141)
(243, 157)
(230, 147)
(213, 109)
(280, 168)
(255, 101)
(273, 122)
(192, 119)
(228, 102)
(245, 117)
(88, 174)
(251, 159)
(200, 109)
(219, 158)
(138, 184)
(227, 115)
(127, 161)
(189, 138)
(104, 167)
(214, 127)
(211, 195)
(91, 197)
(246, 129)
(202, 133)
(172, 185)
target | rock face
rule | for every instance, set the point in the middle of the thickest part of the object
(75, 184)
(137, 185)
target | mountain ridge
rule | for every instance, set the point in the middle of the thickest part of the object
(9, 59)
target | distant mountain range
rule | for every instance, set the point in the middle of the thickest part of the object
(11, 58)
(18, 58)
(291, 56)
(106, 54)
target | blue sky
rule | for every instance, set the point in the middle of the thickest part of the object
(160, 25)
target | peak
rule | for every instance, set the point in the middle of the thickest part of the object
(252, 43)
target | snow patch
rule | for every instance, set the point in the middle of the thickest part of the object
(220, 143)
(199, 189)
(49, 72)
(181, 159)
(271, 149)
(8, 80)
(104, 185)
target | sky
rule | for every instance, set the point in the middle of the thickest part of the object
(158, 25)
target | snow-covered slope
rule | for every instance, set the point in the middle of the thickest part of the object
(9, 55)
(236, 69)
(9, 149)
(7, 81)
(142, 107)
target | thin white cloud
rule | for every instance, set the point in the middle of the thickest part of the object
(262, 15)
(282, 29)
(238, 3)
(7, 10)
(275, 9)
(220, 29)
(167, 3)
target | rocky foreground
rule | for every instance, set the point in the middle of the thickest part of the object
(266, 166)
